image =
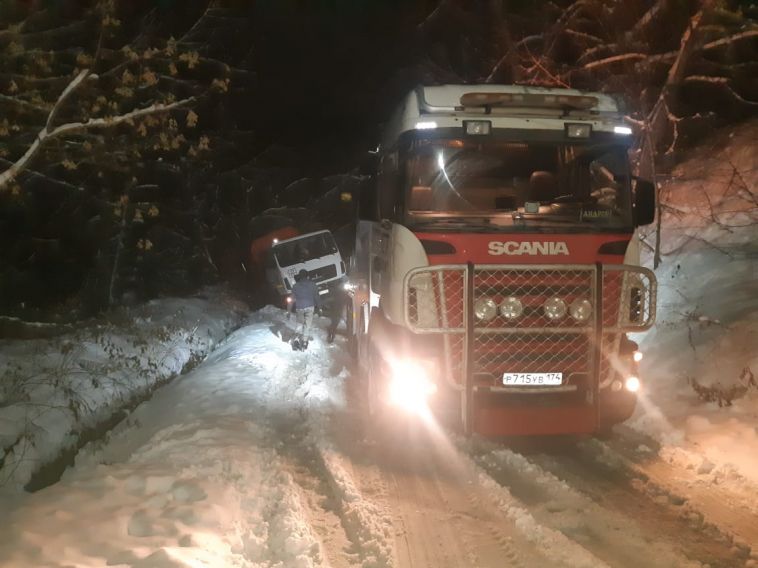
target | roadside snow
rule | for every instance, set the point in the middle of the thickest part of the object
(701, 358)
(202, 474)
(52, 390)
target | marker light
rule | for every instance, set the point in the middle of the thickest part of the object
(622, 130)
(410, 386)
(428, 125)
(275, 241)
(632, 384)
(554, 308)
(289, 299)
(637, 356)
(511, 308)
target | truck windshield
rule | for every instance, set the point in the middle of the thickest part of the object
(305, 248)
(518, 183)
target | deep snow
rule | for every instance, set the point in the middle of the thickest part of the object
(707, 325)
(53, 389)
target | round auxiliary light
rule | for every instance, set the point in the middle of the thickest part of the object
(511, 308)
(485, 309)
(555, 308)
(580, 310)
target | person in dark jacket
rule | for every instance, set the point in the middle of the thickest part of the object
(335, 312)
(306, 300)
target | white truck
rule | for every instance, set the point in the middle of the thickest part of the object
(316, 253)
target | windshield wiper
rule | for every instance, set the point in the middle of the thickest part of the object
(473, 223)
(518, 216)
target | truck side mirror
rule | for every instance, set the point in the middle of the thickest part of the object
(644, 202)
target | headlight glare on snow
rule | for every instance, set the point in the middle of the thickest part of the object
(485, 309)
(511, 308)
(580, 310)
(555, 308)
(410, 385)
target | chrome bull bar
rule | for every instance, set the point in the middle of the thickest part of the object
(442, 299)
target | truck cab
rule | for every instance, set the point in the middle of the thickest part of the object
(316, 253)
(497, 260)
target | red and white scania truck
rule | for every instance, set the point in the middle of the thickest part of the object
(496, 266)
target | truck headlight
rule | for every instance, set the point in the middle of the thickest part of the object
(554, 308)
(580, 310)
(632, 384)
(511, 308)
(410, 385)
(485, 309)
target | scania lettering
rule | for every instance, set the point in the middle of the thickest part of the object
(531, 248)
(496, 270)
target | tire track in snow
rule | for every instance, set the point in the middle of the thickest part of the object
(305, 427)
(723, 504)
(618, 540)
(447, 514)
(321, 505)
(612, 487)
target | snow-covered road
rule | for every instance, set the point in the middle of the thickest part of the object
(258, 458)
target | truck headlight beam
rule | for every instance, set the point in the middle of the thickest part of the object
(410, 386)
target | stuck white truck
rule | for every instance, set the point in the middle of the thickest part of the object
(316, 253)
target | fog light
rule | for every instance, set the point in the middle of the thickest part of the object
(555, 308)
(637, 356)
(580, 310)
(632, 384)
(511, 308)
(485, 309)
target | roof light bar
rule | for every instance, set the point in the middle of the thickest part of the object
(574, 102)
(622, 130)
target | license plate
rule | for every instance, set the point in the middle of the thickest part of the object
(532, 379)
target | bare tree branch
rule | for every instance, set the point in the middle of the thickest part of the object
(48, 132)
(615, 59)
(23, 103)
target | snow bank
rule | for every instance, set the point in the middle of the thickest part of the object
(52, 390)
(701, 358)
